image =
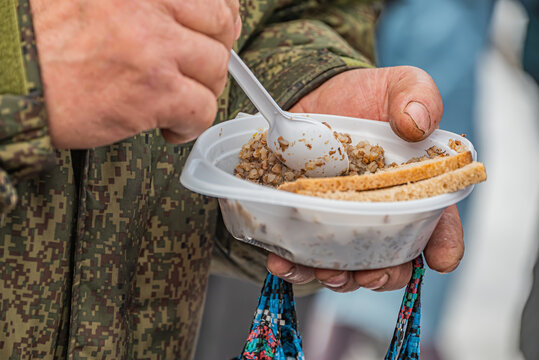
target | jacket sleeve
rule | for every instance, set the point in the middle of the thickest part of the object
(25, 146)
(298, 49)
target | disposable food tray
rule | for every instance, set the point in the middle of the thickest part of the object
(313, 231)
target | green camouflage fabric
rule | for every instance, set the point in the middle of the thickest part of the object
(104, 255)
(25, 148)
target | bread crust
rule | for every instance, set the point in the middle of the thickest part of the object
(451, 181)
(386, 178)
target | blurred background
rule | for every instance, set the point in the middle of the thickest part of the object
(474, 50)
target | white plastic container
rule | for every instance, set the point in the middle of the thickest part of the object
(312, 231)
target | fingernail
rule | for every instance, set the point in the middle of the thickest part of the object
(337, 280)
(295, 276)
(378, 283)
(290, 273)
(419, 114)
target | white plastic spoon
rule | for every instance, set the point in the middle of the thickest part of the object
(299, 142)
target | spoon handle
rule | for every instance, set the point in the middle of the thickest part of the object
(253, 89)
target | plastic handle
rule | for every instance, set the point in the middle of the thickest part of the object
(253, 89)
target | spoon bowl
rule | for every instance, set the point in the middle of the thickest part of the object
(307, 145)
(300, 143)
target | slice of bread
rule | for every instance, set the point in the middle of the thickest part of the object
(454, 180)
(390, 177)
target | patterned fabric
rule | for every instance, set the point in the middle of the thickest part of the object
(274, 334)
(103, 253)
(25, 148)
(405, 342)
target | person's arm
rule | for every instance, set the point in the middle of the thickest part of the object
(25, 146)
(354, 21)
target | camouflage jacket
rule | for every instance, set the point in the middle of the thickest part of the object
(103, 254)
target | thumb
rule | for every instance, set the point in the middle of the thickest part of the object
(405, 96)
(414, 103)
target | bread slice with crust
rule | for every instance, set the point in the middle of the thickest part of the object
(454, 180)
(389, 177)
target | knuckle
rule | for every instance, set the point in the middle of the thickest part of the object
(179, 9)
(223, 56)
(220, 86)
(418, 73)
(137, 124)
(222, 17)
(235, 7)
(224, 20)
(220, 70)
(156, 76)
(209, 112)
(411, 69)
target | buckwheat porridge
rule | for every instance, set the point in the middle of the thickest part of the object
(259, 165)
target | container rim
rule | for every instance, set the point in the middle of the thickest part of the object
(203, 176)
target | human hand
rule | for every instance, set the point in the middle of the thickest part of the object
(408, 98)
(112, 69)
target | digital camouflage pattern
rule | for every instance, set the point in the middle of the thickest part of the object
(104, 255)
(25, 147)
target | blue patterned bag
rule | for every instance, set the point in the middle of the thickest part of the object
(274, 334)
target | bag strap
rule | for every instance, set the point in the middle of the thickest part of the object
(405, 342)
(274, 333)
